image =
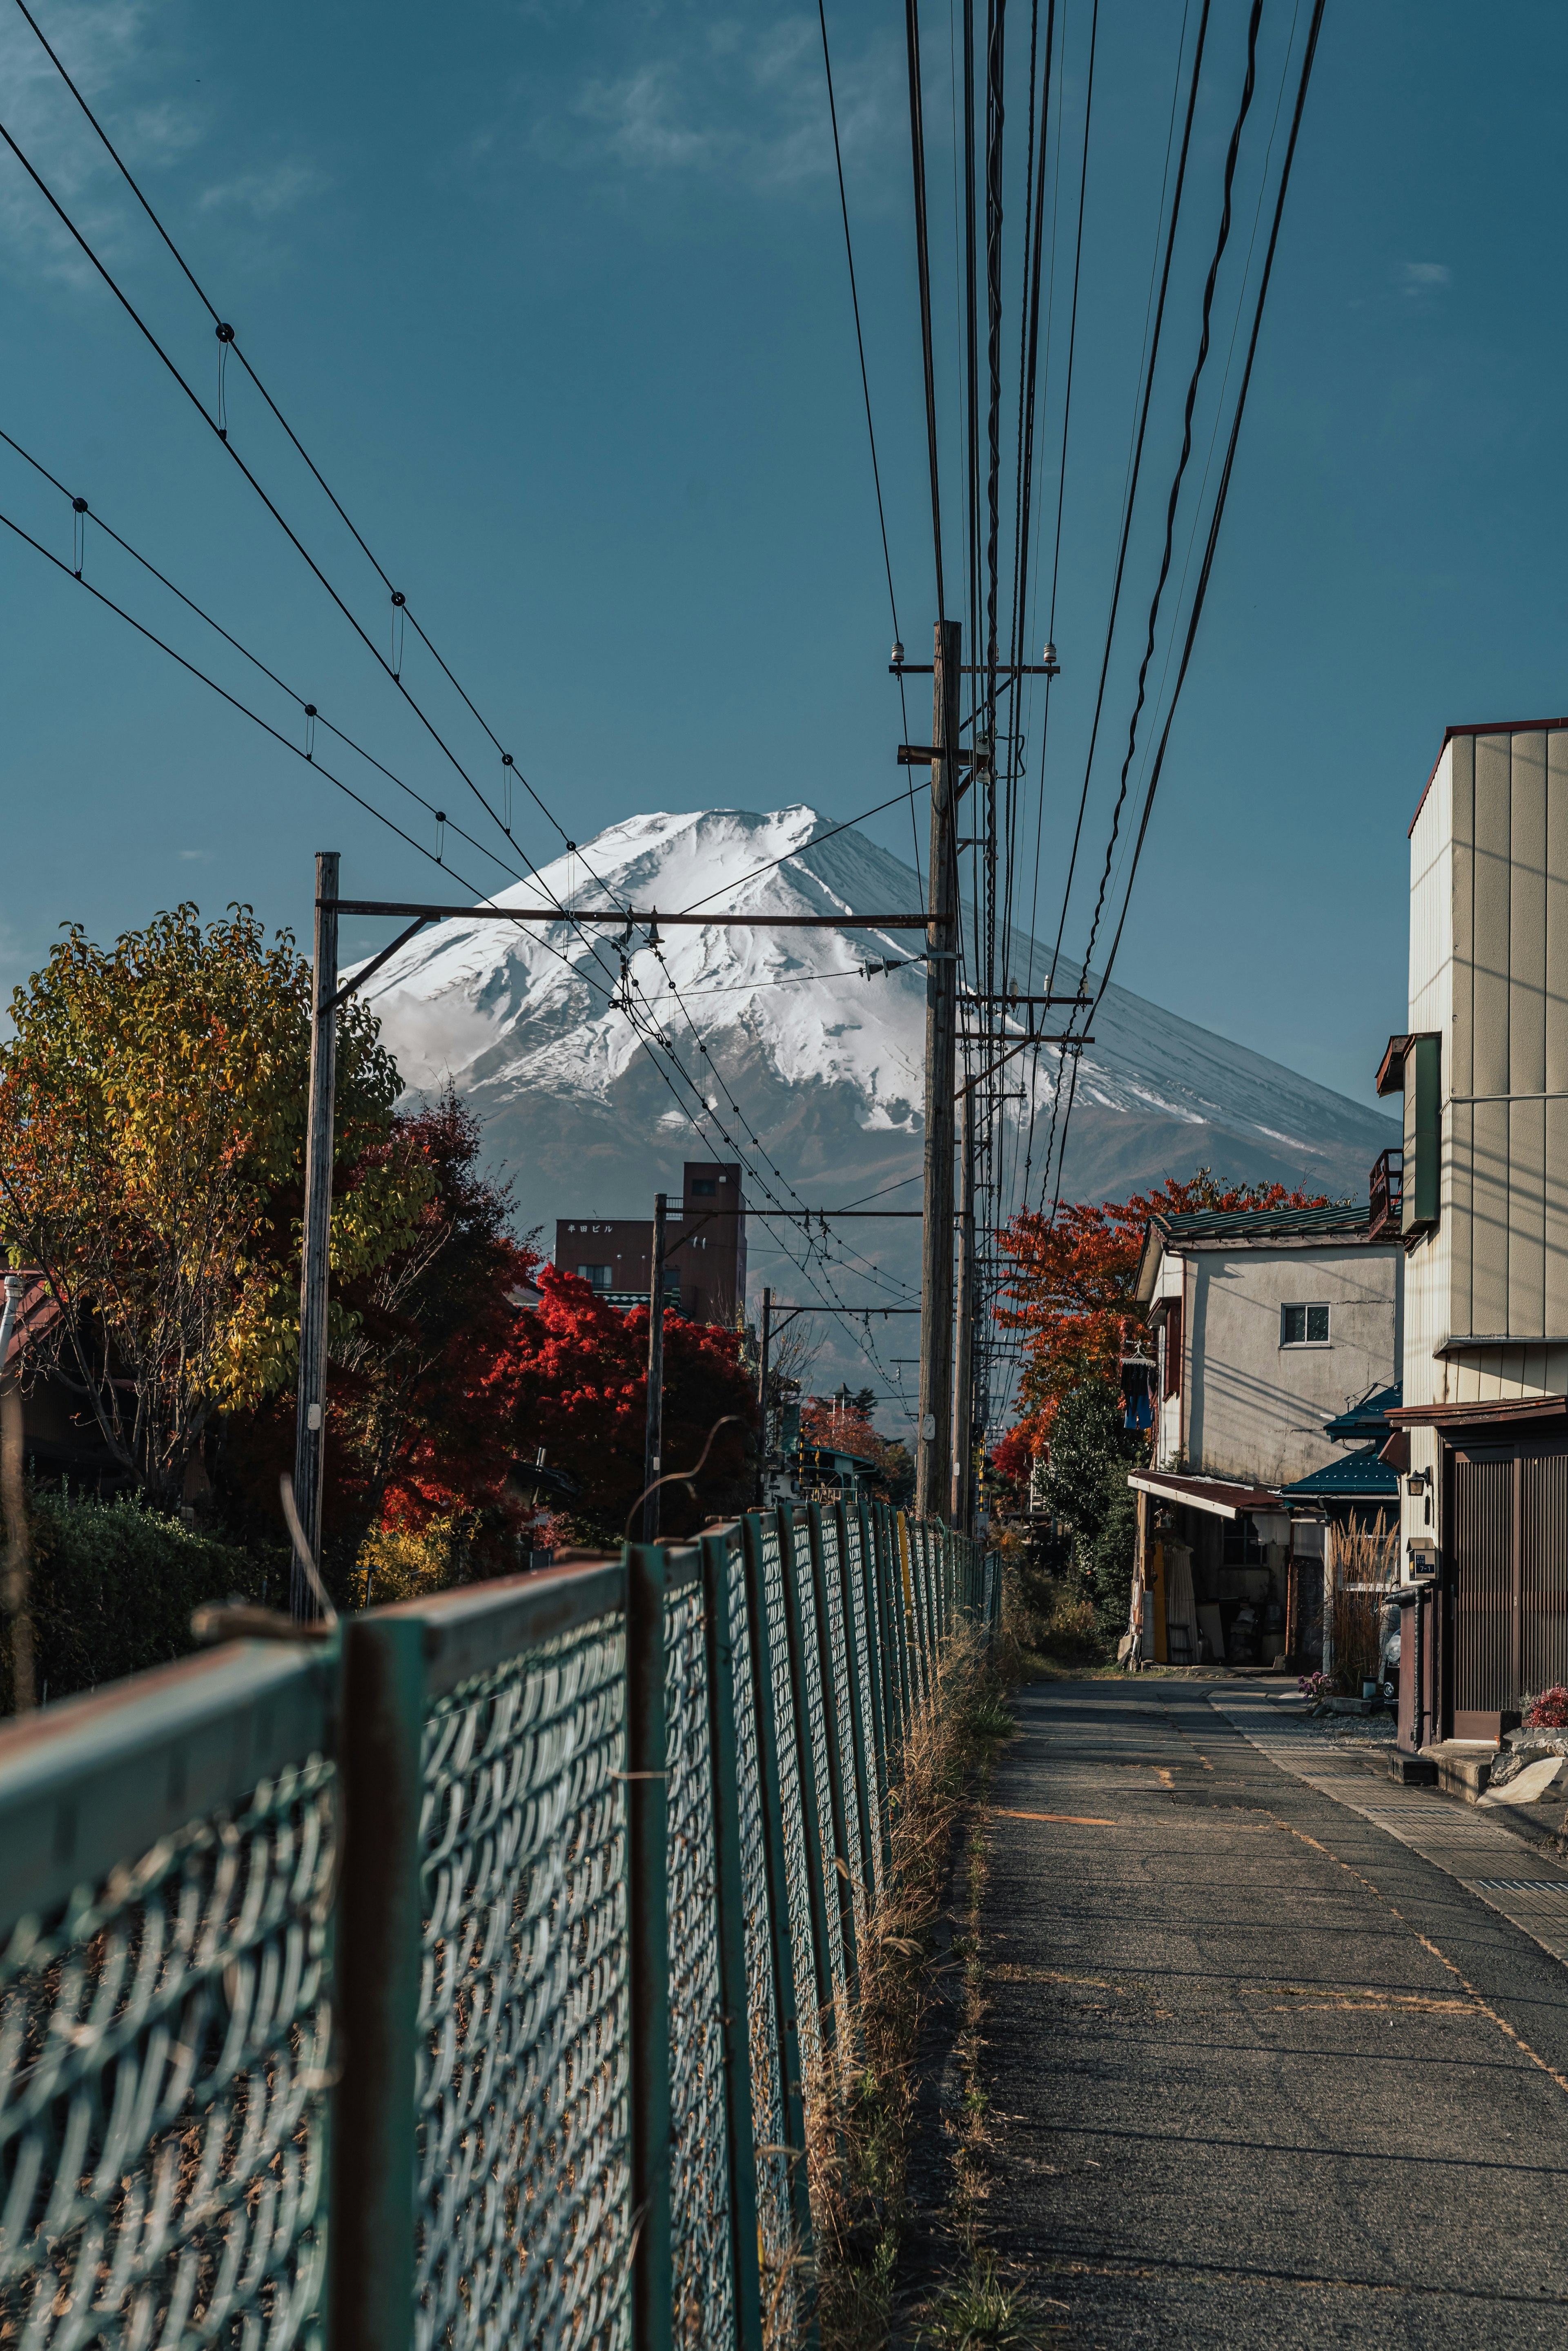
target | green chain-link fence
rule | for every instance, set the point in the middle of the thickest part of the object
(456, 1982)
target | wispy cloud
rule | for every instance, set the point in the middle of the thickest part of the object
(99, 45)
(265, 194)
(1424, 277)
(740, 100)
(195, 856)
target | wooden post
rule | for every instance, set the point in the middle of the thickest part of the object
(933, 1451)
(963, 1511)
(655, 1439)
(309, 1432)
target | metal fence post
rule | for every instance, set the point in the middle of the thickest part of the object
(810, 1820)
(647, 1807)
(872, 1602)
(835, 1742)
(898, 1623)
(729, 1895)
(790, 2061)
(376, 1960)
(857, 1704)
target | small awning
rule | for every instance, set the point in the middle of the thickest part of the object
(1362, 1476)
(1477, 1416)
(1367, 1419)
(1214, 1494)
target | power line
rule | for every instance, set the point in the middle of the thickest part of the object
(1136, 467)
(1224, 490)
(855, 300)
(1232, 152)
(1249, 86)
(922, 265)
(213, 425)
(1222, 493)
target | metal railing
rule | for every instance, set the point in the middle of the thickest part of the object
(1385, 1191)
(459, 1981)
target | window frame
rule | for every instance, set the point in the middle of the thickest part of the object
(1305, 1307)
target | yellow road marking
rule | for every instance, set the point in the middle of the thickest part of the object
(1075, 1820)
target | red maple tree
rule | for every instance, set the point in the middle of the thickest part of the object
(1071, 1292)
(572, 1376)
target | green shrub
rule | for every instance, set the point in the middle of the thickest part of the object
(114, 1583)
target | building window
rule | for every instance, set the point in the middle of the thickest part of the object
(1171, 1383)
(602, 1277)
(1303, 1326)
(703, 1187)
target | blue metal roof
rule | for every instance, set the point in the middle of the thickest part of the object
(1367, 1419)
(1262, 1224)
(1360, 1477)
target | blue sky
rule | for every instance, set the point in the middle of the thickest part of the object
(556, 298)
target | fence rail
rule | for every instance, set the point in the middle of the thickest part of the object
(459, 1981)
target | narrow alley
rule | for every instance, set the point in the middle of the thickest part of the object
(1261, 2071)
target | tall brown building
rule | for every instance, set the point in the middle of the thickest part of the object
(705, 1245)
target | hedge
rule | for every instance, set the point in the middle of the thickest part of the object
(114, 1583)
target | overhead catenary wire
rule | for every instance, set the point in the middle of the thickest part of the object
(1223, 490)
(228, 341)
(1136, 466)
(923, 266)
(1222, 239)
(1249, 86)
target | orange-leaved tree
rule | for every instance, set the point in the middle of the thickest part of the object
(152, 1098)
(1070, 1293)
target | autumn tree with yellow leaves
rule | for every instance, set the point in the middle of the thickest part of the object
(152, 1117)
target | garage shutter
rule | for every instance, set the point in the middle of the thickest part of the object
(1483, 1589)
(1543, 1569)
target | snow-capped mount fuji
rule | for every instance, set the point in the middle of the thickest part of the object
(825, 1064)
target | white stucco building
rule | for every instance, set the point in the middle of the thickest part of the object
(1269, 1322)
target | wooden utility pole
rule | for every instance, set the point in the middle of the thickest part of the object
(654, 1440)
(762, 1393)
(309, 1434)
(934, 1448)
(964, 1372)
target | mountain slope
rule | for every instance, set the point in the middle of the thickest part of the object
(826, 1064)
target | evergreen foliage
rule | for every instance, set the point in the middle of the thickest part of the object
(114, 1584)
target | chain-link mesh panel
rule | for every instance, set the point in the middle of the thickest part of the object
(863, 1633)
(812, 1672)
(164, 2066)
(522, 2192)
(790, 1796)
(770, 2113)
(843, 1710)
(699, 2190)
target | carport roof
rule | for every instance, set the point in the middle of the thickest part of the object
(1216, 1494)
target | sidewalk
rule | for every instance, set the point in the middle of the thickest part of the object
(1269, 2062)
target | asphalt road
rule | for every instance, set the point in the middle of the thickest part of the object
(1260, 2075)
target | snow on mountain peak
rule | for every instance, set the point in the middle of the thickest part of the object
(527, 1014)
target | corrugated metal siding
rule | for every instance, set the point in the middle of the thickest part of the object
(1489, 985)
(1505, 1149)
(1544, 1571)
(1431, 1006)
(1483, 1598)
